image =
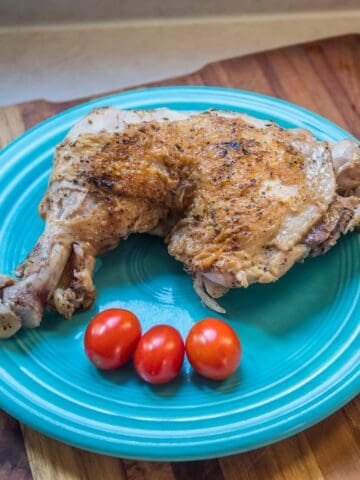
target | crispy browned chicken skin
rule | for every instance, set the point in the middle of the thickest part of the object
(238, 201)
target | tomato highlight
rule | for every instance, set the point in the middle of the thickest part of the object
(213, 349)
(111, 338)
(159, 355)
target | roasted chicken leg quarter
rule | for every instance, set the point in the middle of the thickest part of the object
(238, 200)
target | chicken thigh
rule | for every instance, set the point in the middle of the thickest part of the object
(237, 199)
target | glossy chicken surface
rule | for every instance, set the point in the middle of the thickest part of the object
(238, 201)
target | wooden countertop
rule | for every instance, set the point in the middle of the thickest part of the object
(323, 76)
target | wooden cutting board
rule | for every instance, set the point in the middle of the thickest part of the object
(323, 76)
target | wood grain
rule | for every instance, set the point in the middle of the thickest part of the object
(148, 470)
(11, 124)
(323, 76)
(50, 459)
(14, 464)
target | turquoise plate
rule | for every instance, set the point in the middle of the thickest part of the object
(300, 335)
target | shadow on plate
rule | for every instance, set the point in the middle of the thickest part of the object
(128, 373)
(228, 385)
(304, 294)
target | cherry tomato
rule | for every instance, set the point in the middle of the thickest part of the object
(213, 349)
(111, 338)
(160, 354)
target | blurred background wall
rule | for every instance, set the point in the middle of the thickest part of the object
(63, 49)
(25, 12)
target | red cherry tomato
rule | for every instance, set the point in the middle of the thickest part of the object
(213, 349)
(160, 354)
(111, 338)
